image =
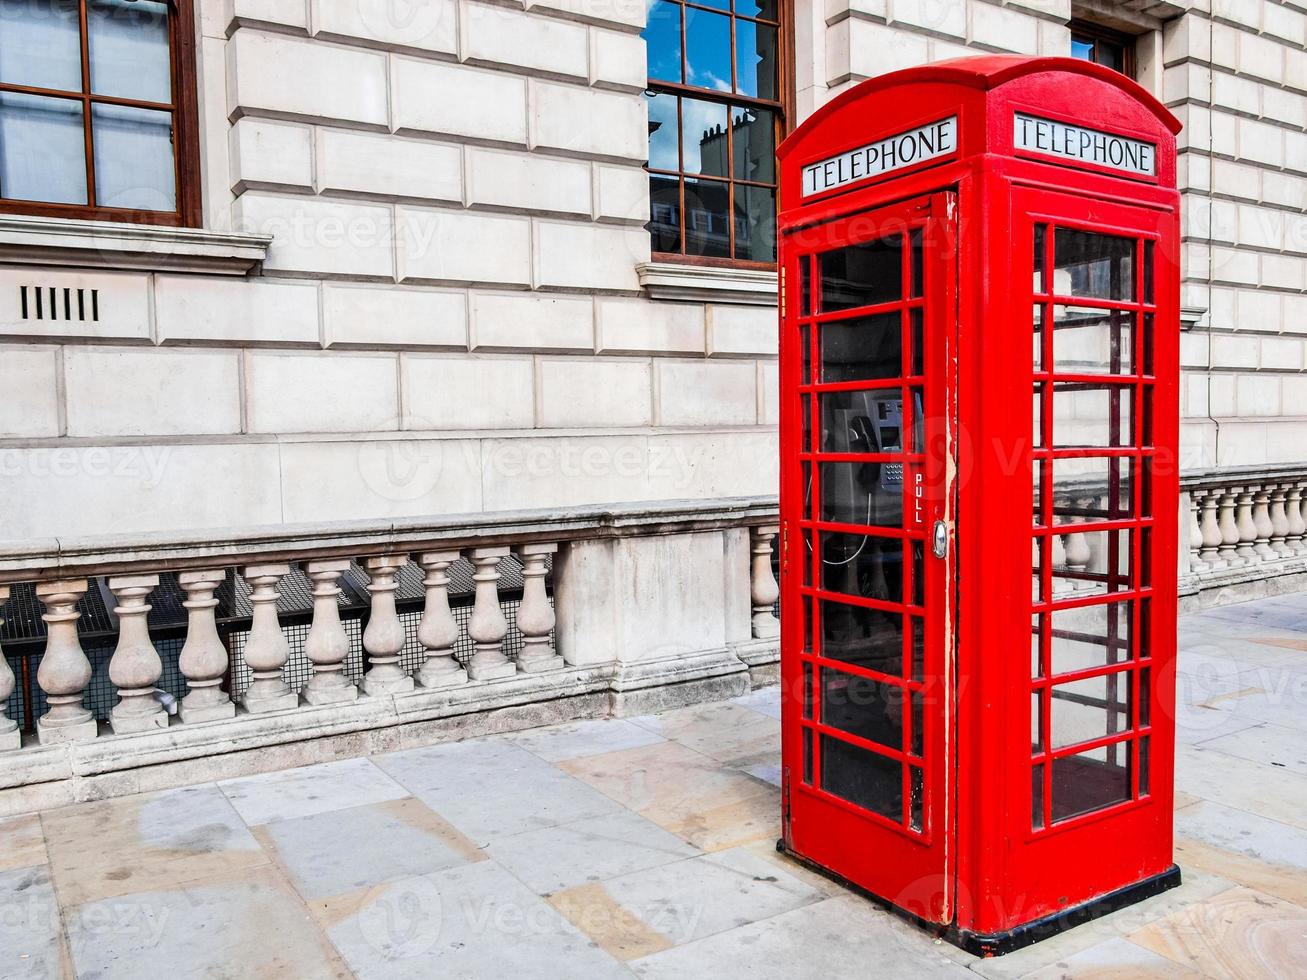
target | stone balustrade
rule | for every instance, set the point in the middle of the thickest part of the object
(1243, 534)
(594, 630)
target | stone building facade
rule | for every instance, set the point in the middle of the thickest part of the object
(408, 304)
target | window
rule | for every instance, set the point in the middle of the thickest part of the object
(97, 110)
(1103, 46)
(715, 115)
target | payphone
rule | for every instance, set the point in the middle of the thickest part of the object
(979, 362)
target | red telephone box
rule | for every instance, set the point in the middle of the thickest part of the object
(979, 367)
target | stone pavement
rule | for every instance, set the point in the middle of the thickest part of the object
(635, 847)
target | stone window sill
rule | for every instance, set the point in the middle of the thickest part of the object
(707, 284)
(111, 245)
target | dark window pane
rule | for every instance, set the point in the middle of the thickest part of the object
(1090, 781)
(755, 145)
(707, 210)
(1037, 797)
(129, 49)
(863, 422)
(1092, 265)
(704, 138)
(863, 494)
(917, 646)
(665, 213)
(755, 60)
(662, 39)
(755, 223)
(916, 802)
(807, 756)
(860, 275)
(133, 158)
(708, 50)
(1039, 256)
(862, 565)
(863, 349)
(864, 778)
(40, 44)
(805, 289)
(869, 638)
(42, 149)
(663, 150)
(866, 708)
(1143, 766)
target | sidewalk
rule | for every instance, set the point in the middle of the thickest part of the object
(636, 847)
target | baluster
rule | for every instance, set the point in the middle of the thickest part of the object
(535, 617)
(203, 660)
(327, 644)
(10, 736)
(384, 637)
(487, 627)
(135, 667)
(64, 671)
(1077, 557)
(1262, 524)
(1247, 527)
(763, 589)
(1280, 521)
(1211, 531)
(1194, 532)
(1057, 553)
(1297, 525)
(438, 631)
(266, 649)
(1230, 529)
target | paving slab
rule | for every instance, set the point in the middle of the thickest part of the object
(31, 934)
(582, 738)
(310, 789)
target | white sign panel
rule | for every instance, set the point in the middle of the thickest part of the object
(892, 153)
(1083, 145)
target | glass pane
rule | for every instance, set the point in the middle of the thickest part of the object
(42, 149)
(129, 49)
(1039, 250)
(918, 271)
(864, 778)
(133, 158)
(863, 349)
(1089, 264)
(1036, 722)
(1092, 341)
(869, 638)
(1148, 272)
(755, 145)
(707, 211)
(664, 153)
(865, 494)
(861, 275)
(1092, 415)
(864, 422)
(704, 140)
(755, 222)
(807, 756)
(41, 44)
(665, 213)
(662, 40)
(1037, 353)
(762, 9)
(1089, 709)
(1082, 49)
(1036, 654)
(1092, 563)
(708, 50)
(869, 709)
(917, 646)
(756, 62)
(1091, 488)
(916, 802)
(1143, 766)
(805, 287)
(918, 343)
(1090, 781)
(1037, 797)
(1090, 636)
(862, 565)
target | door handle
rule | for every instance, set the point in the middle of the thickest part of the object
(939, 539)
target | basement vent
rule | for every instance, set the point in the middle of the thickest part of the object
(53, 303)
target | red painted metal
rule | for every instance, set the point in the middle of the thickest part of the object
(981, 838)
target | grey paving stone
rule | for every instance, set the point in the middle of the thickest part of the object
(30, 932)
(582, 738)
(588, 850)
(473, 921)
(490, 788)
(310, 789)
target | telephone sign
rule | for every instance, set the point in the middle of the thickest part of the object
(979, 364)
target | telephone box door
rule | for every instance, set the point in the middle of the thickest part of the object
(867, 464)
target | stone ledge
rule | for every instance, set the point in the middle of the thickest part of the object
(708, 284)
(37, 777)
(119, 245)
